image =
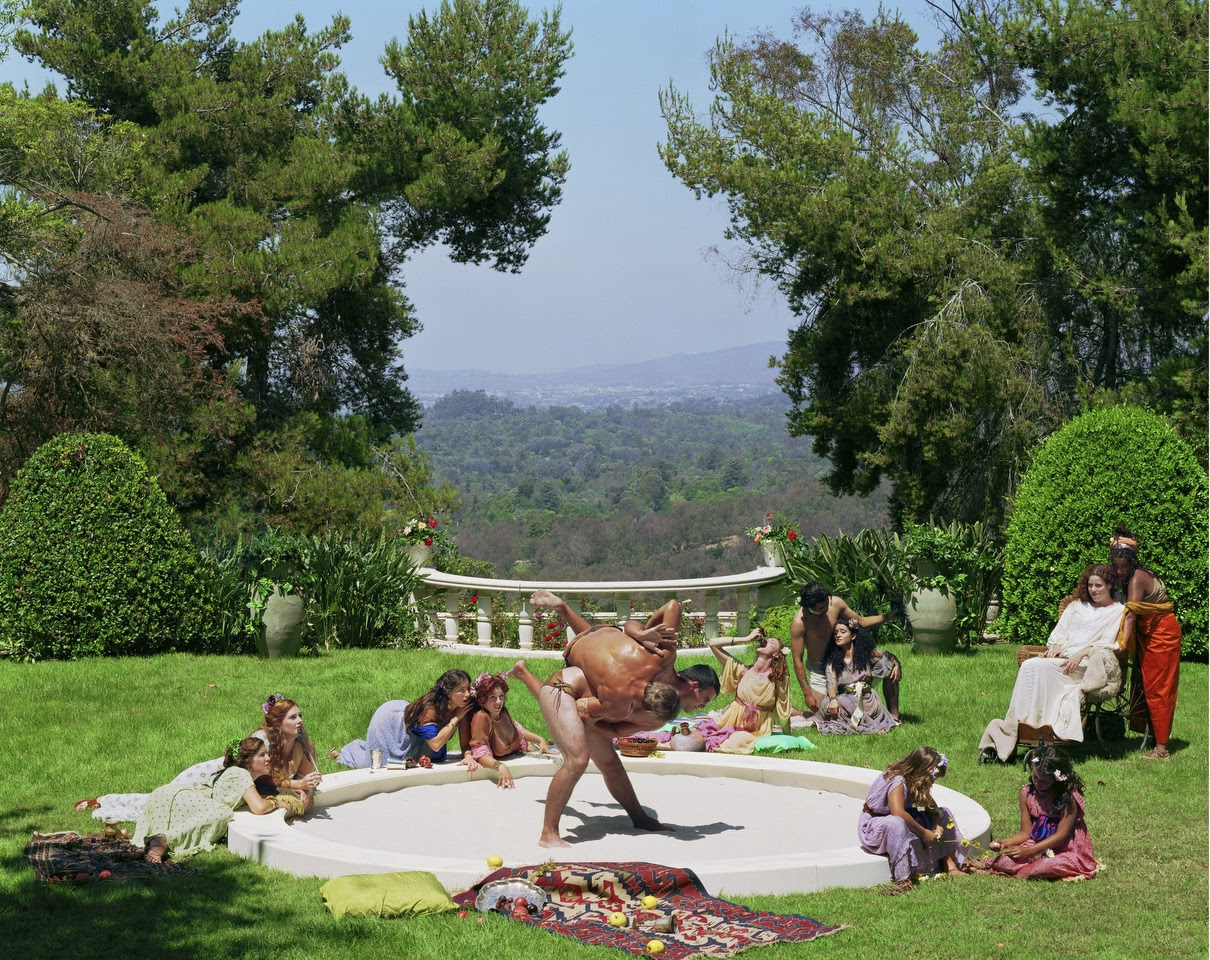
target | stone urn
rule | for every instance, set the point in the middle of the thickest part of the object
(419, 554)
(771, 554)
(687, 738)
(281, 626)
(932, 613)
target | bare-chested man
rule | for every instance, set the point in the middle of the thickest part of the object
(817, 616)
(615, 683)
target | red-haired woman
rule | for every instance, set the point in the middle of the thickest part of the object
(495, 735)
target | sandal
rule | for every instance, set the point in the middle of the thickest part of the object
(92, 803)
(1159, 753)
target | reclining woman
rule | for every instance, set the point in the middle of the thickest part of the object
(404, 731)
(1080, 660)
(762, 695)
(495, 735)
(851, 705)
(187, 820)
(290, 750)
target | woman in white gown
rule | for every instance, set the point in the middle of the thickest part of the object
(1048, 690)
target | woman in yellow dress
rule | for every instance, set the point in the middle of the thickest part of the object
(762, 695)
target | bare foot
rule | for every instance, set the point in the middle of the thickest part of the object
(157, 847)
(518, 671)
(544, 598)
(650, 823)
(334, 754)
(553, 840)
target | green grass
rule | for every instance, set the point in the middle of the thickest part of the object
(77, 729)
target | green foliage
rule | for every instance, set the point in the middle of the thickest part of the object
(965, 561)
(866, 568)
(93, 559)
(964, 271)
(778, 620)
(1107, 467)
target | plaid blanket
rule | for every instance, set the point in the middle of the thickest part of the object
(71, 858)
(582, 896)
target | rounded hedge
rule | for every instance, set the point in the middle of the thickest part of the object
(93, 558)
(1121, 465)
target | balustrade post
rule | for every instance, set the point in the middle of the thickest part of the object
(743, 600)
(483, 619)
(577, 605)
(525, 625)
(451, 614)
(710, 627)
(622, 603)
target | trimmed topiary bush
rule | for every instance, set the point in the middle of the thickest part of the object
(1121, 465)
(93, 559)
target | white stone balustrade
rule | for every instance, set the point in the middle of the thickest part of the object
(762, 588)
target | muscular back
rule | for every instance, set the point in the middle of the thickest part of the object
(617, 669)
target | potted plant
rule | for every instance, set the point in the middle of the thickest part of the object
(774, 539)
(933, 558)
(278, 566)
(421, 538)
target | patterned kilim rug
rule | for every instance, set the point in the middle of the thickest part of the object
(582, 896)
(71, 858)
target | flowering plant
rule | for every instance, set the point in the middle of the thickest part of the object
(772, 531)
(420, 531)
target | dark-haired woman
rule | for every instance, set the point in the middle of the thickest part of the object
(424, 727)
(1152, 630)
(851, 705)
(187, 820)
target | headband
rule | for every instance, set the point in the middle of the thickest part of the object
(1124, 543)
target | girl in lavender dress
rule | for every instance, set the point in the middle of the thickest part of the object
(901, 821)
(1053, 842)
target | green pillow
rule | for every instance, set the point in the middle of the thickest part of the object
(385, 894)
(779, 742)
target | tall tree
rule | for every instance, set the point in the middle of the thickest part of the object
(303, 198)
(882, 188)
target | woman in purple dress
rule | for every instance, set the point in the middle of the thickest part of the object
(901, 821)
(850, 665)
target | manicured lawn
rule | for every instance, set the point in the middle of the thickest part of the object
(78, 729)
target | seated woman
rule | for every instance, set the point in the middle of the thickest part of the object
(129, 806)
(291, 754)
(1048, 689)
(762, 695)
(187, 820)
(424, 727)
(851, 704)
(495, 735)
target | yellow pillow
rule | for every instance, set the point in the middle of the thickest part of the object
(385, 895)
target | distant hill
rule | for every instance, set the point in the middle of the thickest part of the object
(733, 374)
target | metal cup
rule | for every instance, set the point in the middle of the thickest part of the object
(375, 761)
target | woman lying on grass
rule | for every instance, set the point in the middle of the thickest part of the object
(187, 820)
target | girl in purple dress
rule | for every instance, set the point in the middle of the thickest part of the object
(1053, 842)
(901, 821)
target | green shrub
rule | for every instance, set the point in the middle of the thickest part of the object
(1121, 465)
(968, 565)
(777, 621)
(94, 560)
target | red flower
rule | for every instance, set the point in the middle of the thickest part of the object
(768, 516)
(428, 541)
(474, 598)
(792, 535)
(432, 523)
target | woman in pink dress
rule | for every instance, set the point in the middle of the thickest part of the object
(1053, 842)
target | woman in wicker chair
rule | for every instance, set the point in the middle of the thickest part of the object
(1080, 660)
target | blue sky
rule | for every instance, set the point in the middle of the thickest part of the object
(625, 271)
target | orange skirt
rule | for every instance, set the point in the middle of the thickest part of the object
(1157, 670)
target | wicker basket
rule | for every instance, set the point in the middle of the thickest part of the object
(637, 746)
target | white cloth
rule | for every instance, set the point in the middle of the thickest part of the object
(1043, 693)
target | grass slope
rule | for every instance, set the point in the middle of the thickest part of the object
(76, 729)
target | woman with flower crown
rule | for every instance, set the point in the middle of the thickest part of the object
(291, 755)
(901, 821)
(182, 821)
(495, 735)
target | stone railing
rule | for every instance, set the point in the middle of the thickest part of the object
(441, 599)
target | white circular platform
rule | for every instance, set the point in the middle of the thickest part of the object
(744, 825)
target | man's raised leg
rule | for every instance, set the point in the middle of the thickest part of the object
(549, 601)
(567, 730)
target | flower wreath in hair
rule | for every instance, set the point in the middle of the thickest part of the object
(233, 748)
(484, 682)
(272, 701)
(942, 763)
(1049, 770)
